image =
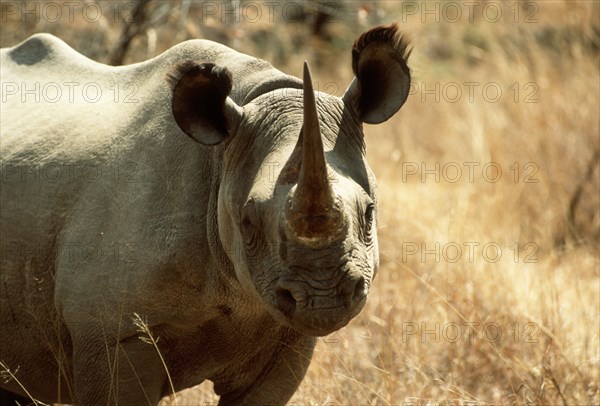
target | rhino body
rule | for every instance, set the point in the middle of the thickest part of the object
(203, 194)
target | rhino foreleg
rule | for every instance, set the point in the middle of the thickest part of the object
(12, 399)
(127, 372)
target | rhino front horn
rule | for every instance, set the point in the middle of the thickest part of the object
(313, 212)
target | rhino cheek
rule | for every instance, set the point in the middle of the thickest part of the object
(375, 256)
(232, 244)
(225, 226)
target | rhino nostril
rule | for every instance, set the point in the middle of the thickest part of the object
(285, 301)
(359, 291)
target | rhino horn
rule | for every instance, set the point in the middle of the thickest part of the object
(313, 212)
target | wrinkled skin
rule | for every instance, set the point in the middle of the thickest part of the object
(260, 243)
(236, 244)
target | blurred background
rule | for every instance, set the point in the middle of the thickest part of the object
(489, 219)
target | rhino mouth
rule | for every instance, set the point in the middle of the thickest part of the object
(319, 312)
(317, 330)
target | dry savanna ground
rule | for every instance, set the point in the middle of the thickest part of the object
(488, 290)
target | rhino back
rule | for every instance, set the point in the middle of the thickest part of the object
(79, 135)
(93, 161)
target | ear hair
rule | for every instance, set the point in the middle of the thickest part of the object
(389, 35)
(382, 80)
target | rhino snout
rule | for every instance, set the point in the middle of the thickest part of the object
(316, 309)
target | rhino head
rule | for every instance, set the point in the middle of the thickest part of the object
(297, 201)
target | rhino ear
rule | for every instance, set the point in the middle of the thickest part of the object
(201, 105)
(382, 77)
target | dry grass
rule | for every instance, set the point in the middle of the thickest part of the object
(545, 306)
(543, 294)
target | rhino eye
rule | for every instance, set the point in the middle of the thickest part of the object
(369, 215)
(248, 232)
(248, 223)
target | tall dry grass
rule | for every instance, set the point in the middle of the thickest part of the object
(456, 327)
(422, 337)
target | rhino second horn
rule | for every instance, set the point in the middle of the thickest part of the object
(313, 212)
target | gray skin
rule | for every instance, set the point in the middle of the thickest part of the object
(222, 205)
